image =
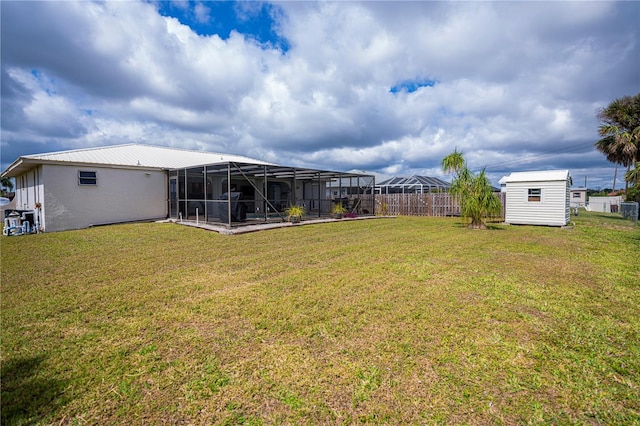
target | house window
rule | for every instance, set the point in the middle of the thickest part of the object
(576, 195)
(535, 194)
(87, 178)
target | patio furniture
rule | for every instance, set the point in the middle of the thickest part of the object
(12, 225)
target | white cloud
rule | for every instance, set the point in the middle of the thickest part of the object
(513, 80)
(202, 13)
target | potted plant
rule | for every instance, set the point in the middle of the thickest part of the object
(338, 210)
(295, 213)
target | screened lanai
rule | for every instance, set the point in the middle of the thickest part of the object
(234, 194)
(412, 185)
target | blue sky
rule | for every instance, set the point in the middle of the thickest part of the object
(386, 87)
(256, 20)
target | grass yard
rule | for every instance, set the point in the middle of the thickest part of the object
(387, 321)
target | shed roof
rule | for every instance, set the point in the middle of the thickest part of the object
(537, 176)
(128, 155)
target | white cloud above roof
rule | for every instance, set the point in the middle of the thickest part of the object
(514, 85)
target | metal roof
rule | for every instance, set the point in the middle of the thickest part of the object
(536, 176)
(128, 155)
(414, 181)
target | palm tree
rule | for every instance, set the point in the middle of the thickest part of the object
(620, 131)
(6, 183)
(477, 199)
(633, 177)
(454, 162)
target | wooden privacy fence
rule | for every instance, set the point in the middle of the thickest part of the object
(429, 204)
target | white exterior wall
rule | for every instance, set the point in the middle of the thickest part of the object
(29, 191)
(552, 210)
(578, 197)
(603, 204)
(121, 195)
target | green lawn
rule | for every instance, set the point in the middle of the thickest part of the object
(406, 320)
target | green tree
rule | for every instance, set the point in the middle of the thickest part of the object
(454, 163)
(476, 196)
(620, 131)
(7, 184)
(633, 178)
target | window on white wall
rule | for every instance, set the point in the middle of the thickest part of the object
(534, 195)
(87, 178)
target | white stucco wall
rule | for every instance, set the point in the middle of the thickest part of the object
(121, 195)
(552, 210)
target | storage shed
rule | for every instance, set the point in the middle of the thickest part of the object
(538, 198)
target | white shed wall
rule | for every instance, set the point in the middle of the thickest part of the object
(552, 210)
(121, 195)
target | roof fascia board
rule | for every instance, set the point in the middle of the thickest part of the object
(13, 166)
(96, 165)
(24, 164)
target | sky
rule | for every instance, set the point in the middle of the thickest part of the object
(385, 87)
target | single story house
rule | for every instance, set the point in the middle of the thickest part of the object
(503, 184)
(538, 198)
(86, 187)
(578, 197)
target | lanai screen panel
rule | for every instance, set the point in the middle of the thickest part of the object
(412, 184)
(233, 193)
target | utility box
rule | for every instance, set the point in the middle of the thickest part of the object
(629, 210)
